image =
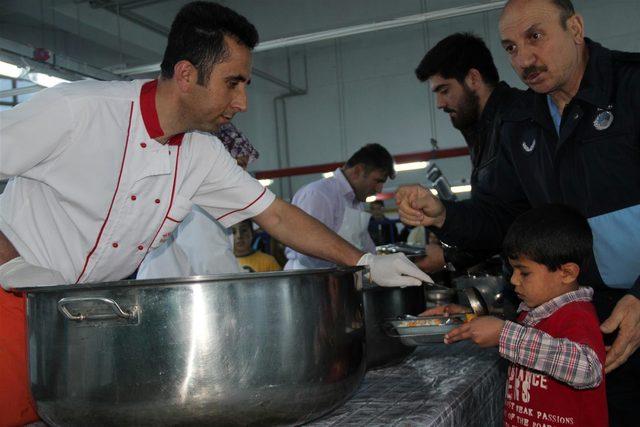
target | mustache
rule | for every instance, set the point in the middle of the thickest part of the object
(448, 110)
(532, 70)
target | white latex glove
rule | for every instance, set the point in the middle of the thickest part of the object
(393, 270)
(18, 273)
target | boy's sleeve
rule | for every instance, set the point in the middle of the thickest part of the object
(570, 359)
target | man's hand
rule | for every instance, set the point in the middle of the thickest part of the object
(417, 206)
(445, 310)
(434, 261)
(393, 270)
(484, 331)
(626, 318)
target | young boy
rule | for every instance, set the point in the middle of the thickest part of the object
(556, 376)
(249, 259)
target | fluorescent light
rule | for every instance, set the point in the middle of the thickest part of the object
(327, 175)
(370, 199)
(461, 188)
(10, 70)
(401, 167)
(266, 182)
(434, 191)
(45, 79)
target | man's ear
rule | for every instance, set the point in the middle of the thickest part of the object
(575, 25)
(358, 170)
(185, 75)
(569, 272)
(473, 78)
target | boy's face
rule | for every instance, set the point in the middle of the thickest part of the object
(242, 237)
(535, 284)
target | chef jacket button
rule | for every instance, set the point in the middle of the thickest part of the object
(143, 144)
(133, 197)
(140, 247)
(114, 244)
(157, 201)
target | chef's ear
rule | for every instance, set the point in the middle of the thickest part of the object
(185, 75)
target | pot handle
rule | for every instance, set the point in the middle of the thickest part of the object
(117, 311)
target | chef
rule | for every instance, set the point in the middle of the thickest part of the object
(102, 172)
(338, 201)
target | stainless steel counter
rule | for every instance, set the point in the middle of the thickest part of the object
(438, 385)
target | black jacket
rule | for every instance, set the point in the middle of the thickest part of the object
(593, 165)
(483, 143)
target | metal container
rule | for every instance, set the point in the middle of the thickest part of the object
(380, 304)
(489, 290)
(248, 349)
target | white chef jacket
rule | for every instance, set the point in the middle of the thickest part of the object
(92, 191)
(200, 245)
(326, 200)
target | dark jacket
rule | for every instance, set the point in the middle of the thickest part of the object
(483, 143)
(593, 165)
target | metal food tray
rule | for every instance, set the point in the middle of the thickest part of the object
(415, 331)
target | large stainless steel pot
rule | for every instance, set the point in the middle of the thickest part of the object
(262, 349)
(380, 305)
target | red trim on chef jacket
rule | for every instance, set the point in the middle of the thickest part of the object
(264, 190)
(148, 109)
(124, 156)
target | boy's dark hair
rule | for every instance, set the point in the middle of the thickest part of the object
(197, 35)
(248, 222)
(551, 235)
(455, 55)
(373, 156)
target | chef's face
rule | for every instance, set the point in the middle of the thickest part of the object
(367, 183)
(543, 52)
(456, 99)
(224, 95)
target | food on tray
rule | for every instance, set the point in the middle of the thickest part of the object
(436, 321)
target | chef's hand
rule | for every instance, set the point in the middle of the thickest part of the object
(418, 206)
(434, 260)
(626, 318)
(393, 270)
(18, 273)
(445, 310)
(484, 331)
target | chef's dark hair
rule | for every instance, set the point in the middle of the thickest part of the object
(453, 57)
(373, 157)
(551, 235)
(197, 35)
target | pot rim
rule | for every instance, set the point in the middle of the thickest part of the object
(185, 281)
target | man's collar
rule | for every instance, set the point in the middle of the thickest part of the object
(343, 182)
(597, 82)
(493, 102)
(148, 109)
(150, 113)
(595, 86)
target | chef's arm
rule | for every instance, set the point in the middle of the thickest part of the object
(305, 234)
(7, 250)
(16, 273)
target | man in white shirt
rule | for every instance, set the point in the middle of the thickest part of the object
(338, 201)
(101, 172)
